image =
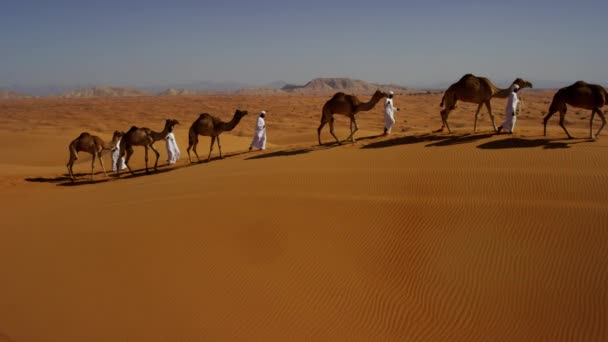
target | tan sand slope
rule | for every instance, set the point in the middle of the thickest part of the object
(415, 236)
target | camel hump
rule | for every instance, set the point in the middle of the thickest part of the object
(133, 128)
(580, 84)
(338, 94)
(466, 76)
(84, 134)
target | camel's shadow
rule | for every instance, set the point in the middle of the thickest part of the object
(293, 152)
(461, 139)
(431, 138)
(529, 143)
(84, 178)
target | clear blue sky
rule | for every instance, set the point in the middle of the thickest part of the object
(408, 42)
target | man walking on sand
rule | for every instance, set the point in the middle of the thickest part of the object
(389, 113)
(510, 111)
(259, 134)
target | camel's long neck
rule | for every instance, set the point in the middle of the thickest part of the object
(159, 135)
(369, 105)
(229, 126)
(500, 93)
(109, 145)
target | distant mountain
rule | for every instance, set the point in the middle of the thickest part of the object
(201, 87)
(347, 85)
(177, 92)
(275, 85)
(104, 92)
(7, 94)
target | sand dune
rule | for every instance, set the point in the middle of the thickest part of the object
(415, 236)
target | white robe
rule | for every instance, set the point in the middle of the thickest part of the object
(259, 135)
(510, 118)
(389, 115)
(172, 149)
(115, 154)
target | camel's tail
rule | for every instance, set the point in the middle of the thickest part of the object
(442, 99)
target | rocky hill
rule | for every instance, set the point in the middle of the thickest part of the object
(104, 92)
(347, 85)
(177, 92)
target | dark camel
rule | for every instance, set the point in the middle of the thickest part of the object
(91, 144)
(473, 89)
(142, 136)
(348, 105)
(211, 126)
(581, 95)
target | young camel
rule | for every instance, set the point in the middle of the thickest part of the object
(142, 136)
(473, 89)
(580, 95)
(209, 125)
(91, 144)
(348, 105)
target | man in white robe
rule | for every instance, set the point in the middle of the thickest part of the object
(172, 149)
(121, 162)
(259, 135)
(389, 113)
(510, 112)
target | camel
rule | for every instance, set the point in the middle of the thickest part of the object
(91, 144)
(479, 90)
(211, 126)
(580, 95)
(348, 105)
(142, 136)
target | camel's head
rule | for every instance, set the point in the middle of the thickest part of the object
(240, 113)
(170, 123)
(380, 94)
(117, 135)
(116, 138)
(522, 83)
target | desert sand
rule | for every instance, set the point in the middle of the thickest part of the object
(411, 237)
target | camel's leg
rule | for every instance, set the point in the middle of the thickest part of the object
(219, 146)
(444, 119)
(489, 107)
(562, 116)
(70, 163)
(92, 165)
(603, 117)
(103, 167)
(546, 119)
(157, 156)
(591, 124)
(129, 154)
(146, 157)
(211, 148)
(193, 141)
(351, 136)
(477, 114)
(331, 130)
(323, 122)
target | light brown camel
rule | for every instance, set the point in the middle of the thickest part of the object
(91, 144)
(211, 126)
(142, 136)
(348, 105)
(479, 90)
(581, 95)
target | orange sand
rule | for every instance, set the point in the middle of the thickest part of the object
(412, 237)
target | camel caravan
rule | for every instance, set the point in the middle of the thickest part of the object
(469, 88)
